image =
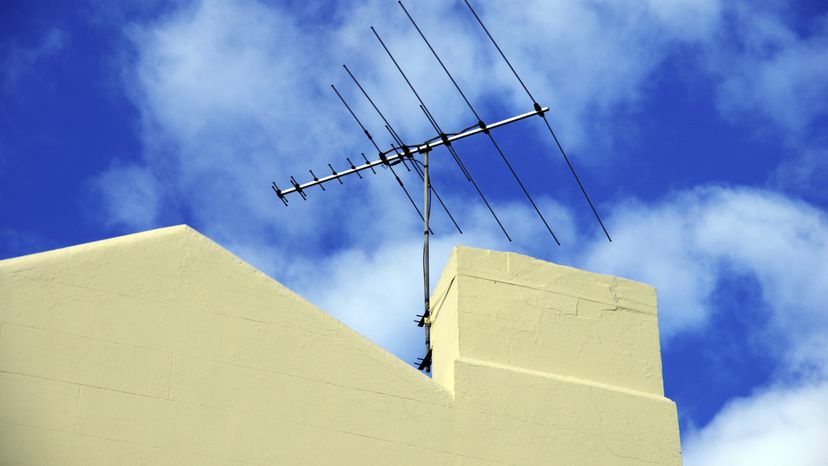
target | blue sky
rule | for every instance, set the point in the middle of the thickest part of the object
(698, 128)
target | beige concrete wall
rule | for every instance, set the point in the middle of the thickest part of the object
(565, 361)
(163, 348)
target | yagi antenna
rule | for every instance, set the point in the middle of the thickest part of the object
(402, 153)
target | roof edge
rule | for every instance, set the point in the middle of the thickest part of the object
(91, 245)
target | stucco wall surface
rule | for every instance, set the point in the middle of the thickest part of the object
(164, 348)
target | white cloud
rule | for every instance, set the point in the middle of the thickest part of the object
(653, 245)
(783, 425)
(688, 19)
(768, 69)
(127, 195)
(590, 61)
(685, 245)
(378, 290)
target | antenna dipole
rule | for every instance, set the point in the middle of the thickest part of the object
(476, 115)
(545, 120)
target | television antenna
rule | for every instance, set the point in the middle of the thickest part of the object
(404, 154)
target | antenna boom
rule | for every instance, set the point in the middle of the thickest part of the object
(393, 155)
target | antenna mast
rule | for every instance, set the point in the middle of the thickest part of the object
(426, 361)
(402, 153)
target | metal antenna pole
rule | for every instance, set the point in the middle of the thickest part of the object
(426, 285)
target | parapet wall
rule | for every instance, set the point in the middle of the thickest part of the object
(539, 344)
(529, 314)
(163, 348)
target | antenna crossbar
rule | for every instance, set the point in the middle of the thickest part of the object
(393, 156)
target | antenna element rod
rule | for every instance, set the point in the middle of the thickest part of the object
(476, 115)
(336, 176)
(543, 115)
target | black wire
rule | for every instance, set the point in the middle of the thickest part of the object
(388, 125)
(420, 174)
(463, 167)
(425, 109)
(454, 154)
(399, 181)
(440, 61)
(488, 133)
(477, 125)
(563, 153)
(366, 95)
(367, 162)
(353, 114)
(397, 65)
(432, 188)
(580, 185)
(499, 50)
(531, 201)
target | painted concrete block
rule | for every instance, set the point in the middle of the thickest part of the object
(164, 348)
(35, 402)
(205, 383)
(76, 359)
(165, 424)
(513, 318)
